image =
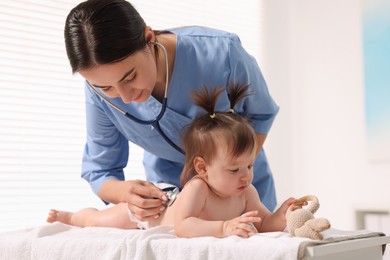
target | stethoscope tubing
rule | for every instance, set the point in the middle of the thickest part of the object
(156, 124)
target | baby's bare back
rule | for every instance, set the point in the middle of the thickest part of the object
(215, 208)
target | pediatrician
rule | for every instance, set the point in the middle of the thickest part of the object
(138, 88)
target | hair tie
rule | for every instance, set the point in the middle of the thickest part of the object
(212, 115)
(231, 110)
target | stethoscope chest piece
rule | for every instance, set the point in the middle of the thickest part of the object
(172, 195)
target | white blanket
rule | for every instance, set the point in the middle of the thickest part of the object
(59, 241)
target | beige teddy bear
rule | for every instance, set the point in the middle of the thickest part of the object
(301, 222)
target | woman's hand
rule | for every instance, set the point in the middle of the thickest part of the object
(145, 201)
(241, 226)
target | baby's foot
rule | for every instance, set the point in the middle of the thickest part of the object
(60, 216)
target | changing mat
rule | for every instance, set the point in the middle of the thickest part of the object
(60, 241)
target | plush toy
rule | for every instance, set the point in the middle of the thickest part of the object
(301, 221)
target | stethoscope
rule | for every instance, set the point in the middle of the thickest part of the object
(153, 122)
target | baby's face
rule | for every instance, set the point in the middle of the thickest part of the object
(229, 176)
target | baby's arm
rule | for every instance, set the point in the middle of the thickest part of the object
(277, 220)
(190, 205)
(270, 221)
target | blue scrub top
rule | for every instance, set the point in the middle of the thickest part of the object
(204, 57)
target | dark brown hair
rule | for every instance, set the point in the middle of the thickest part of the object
(203, 135)
(101, 32)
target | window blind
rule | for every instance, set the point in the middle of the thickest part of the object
(42, 124)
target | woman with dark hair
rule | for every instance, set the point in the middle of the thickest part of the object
(134, 71)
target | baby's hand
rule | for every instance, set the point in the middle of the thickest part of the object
(281, 211)
(241, 226)
(294, 203)
(298, 204)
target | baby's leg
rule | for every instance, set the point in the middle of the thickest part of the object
(60, 216)
(116, 216)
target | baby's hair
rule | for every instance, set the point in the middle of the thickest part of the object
(236, 93)
(203, 136)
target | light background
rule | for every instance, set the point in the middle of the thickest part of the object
(313, 62)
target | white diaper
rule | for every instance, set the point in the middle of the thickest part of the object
(140, 224)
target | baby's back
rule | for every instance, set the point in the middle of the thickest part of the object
(215, 208)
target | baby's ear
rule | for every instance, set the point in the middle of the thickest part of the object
(200, 166)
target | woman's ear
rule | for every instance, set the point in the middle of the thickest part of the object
(149, 34)
(200, 166)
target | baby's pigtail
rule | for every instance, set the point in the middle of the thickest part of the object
(237, 91)
(207, 99)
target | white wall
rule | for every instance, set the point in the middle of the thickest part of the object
(314, 69)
